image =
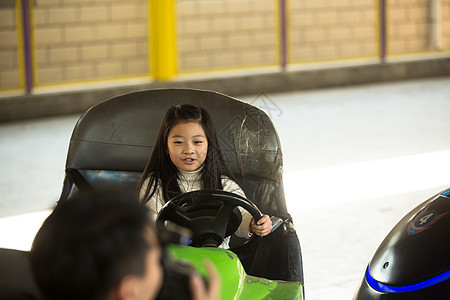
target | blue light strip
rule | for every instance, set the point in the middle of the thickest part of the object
(446, 193)
(405, 288)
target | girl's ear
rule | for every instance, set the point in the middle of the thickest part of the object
(128, 288)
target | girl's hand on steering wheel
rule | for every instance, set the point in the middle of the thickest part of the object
(263, 227)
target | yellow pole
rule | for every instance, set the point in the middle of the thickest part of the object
(163, 51)
(20, 42)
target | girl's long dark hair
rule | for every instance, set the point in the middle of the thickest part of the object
(160, 167)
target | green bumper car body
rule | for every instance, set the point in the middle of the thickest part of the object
(235, 283)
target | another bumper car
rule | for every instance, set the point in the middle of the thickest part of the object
(413, 261)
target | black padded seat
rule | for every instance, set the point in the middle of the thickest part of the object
(16, 279)
(112, 142)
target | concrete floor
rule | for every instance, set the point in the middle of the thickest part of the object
(357, 159)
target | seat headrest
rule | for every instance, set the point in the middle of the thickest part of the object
(118, 134)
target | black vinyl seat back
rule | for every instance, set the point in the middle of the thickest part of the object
(113, 140)
(16, 277)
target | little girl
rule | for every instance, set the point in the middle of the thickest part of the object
(186, 157)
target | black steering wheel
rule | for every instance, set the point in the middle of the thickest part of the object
(211, 215)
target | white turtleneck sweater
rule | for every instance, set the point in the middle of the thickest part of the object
(191, 181)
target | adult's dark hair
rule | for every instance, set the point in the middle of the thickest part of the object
(160, 168)
(88, 244)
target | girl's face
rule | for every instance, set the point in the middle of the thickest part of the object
(187, 145)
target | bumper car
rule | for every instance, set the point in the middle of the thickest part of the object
(110, 146)
(413, 261)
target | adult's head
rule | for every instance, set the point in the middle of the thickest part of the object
(97, 246)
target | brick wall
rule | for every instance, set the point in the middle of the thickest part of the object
(92, 40)
(332, 29)
(445, 26)
(78, 40)
(9, 48)
(218, 34)
(410, 26)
